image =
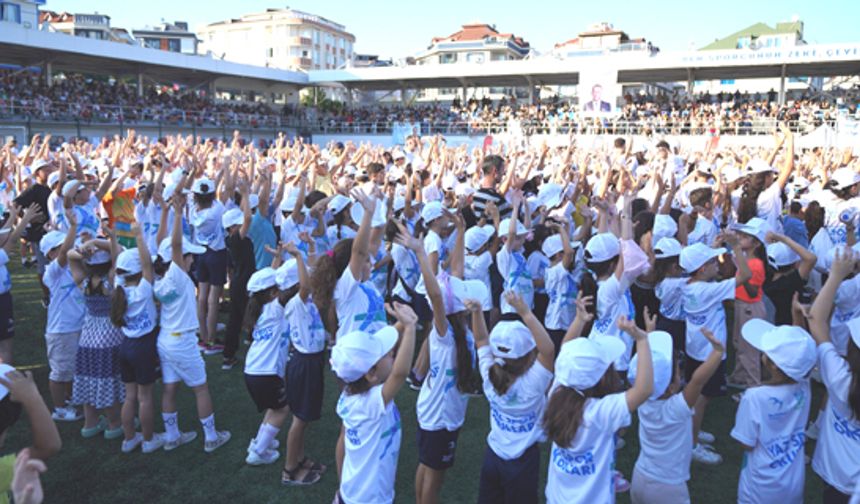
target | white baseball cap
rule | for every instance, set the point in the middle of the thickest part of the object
(53, 178)
(476, 237)
(660, 343)
(203, 185)
(758, 165)
(754, 227)
(253, 201)
(667, 247)
(165, 251)
(288, 203)
(511, 339)
(455, 292)
(844, 178)
(338, 203)
(464, 190)
(431, 211)
(232, 217)
(779, 254)
(129, 261)
(287, 275)
(51, 240)
(854, 329)
(39, 163)
(261, 280)
(602, 247)
(398, 154)
(582, 362)
(355, 353)
(398, 204)
(549, 195)
(379, 219)
(664, 227)
(505, 225)
(99, 257)
(791, 348)
(697, 254)
(552, 245)
(72, 185)
(170, 190)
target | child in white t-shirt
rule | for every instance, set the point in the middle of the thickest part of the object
(373, 367)
(837, 453)
(670, 291)
(479, 259)
(512, 264)
(177, 341)
(771, 417)
(516, 367)
(585, 411)
(703, 307)
(560, 284)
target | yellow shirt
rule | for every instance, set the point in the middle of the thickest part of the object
(7, 470)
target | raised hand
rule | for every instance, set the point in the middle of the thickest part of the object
(402, 312)
(650, 320)
(583, 303)
(629, 326)
(843, 263)
(517, 302)
(715, 343)
(473, 305)
(26, 485)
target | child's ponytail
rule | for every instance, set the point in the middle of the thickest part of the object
(564, 410)
(329, 267)
(503, 375)
(118, 306)
(255, 307)
(464, 353)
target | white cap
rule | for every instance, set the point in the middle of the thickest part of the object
(203, 185)
(464, 190)
(552, 245)
(99, 257)
(232, 217)
(53, 178)
(758, 166)
(505, 225)
(564, 212)
(39, 163)
(253, 201)
(511, 339)
(664, 227)
(72, 185)
(456, 291)
(582, 362)
(779, 254)
(660, 343)
(791, 348)
(379, 219)
(431, 211)
(705, 167)
(667, 247)
(732, 173)
(854, 329)
(398, 154)
(338, 203)
(602, 247)
(169, 191)
(355, 353)
(129, 261)
(476, 237)
(449, 182)
(51, 240)
(287, 275)
(261, 280)
(165, 251)
(844, 178)
(697, 254)
(754, 227)
(288, 203)
(399, 204)
(549, 195)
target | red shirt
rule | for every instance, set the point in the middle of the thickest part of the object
(757, 280)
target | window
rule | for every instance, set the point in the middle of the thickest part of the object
(271, 52)
(475, 57)
(173, 45)
(446, 58)
(10, 12)
(152, 43)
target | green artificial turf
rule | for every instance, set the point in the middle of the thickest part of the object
(95, 471)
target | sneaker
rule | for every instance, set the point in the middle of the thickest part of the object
(184, 438)
(221, 438)
(220, 327)
(46, 302)
(413, 381)
(621, 483)
(227, 364)
(158, 441)
(267, 457)
(620, 443)
(706, 438)
(129, 445)
(272, 446)
(66, 414)
(705, 456)
(95, 430)
(113, 433)
(213, 349)
(812, 431)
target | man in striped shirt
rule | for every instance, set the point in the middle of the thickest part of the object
(492, 169)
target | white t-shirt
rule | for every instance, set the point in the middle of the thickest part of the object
(372, 434)
(614, 301)
(769, 207)
(149, 219)
(346, 233)
(837, 454)
(56, 211)
(206, 226)
(290, 230)
(66, 309)
(538, 263)
(583, 472)
(175, 291)
(703, 304)
(670, 292)
(705, 231)
(270, 343)
(845, 308)
(358, 305)
(515, 418)
(515, 272)
(561, 289)
(306, 330)
(140, 315)
(665, 440)
(432, 243)
(407, 267)
(772, 419)
(440, 403)
(477, 267)
(5, 279)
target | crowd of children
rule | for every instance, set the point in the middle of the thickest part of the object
(569, 288)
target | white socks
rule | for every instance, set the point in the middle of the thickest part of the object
(209, 428)
(264, 437)
(171, 425)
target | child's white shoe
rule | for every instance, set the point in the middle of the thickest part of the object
(705, 456)
(129, 445)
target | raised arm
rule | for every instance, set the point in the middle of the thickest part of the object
(176, 236)
(361, 245)
(822, 308)
(545, 348)
(807, 258)
(434, 292)
(788, 163)
(458, 255)
(143, 250)
(583, 317)
(703, 373)
(407, 319)
(641, 390)
(743, 274)
(69, 242)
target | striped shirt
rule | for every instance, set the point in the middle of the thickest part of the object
(485, 195)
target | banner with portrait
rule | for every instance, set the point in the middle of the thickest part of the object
(598, 92)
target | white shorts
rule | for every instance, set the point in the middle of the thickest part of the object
(62, 349)
(644, 490)
(180, 358)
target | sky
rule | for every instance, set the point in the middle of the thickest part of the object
(400, 28)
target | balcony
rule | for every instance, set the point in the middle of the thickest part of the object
(299, 41)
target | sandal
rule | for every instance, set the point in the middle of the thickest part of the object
(311, 465)
(290, 478)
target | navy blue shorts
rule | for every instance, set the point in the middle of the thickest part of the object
(716, 386)
(138, 359)
(267, 391)
(305, 385)
(7, 320)
(436, 448)
(510, 481)
(212, 267)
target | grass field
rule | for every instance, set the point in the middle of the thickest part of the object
(95, 471)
